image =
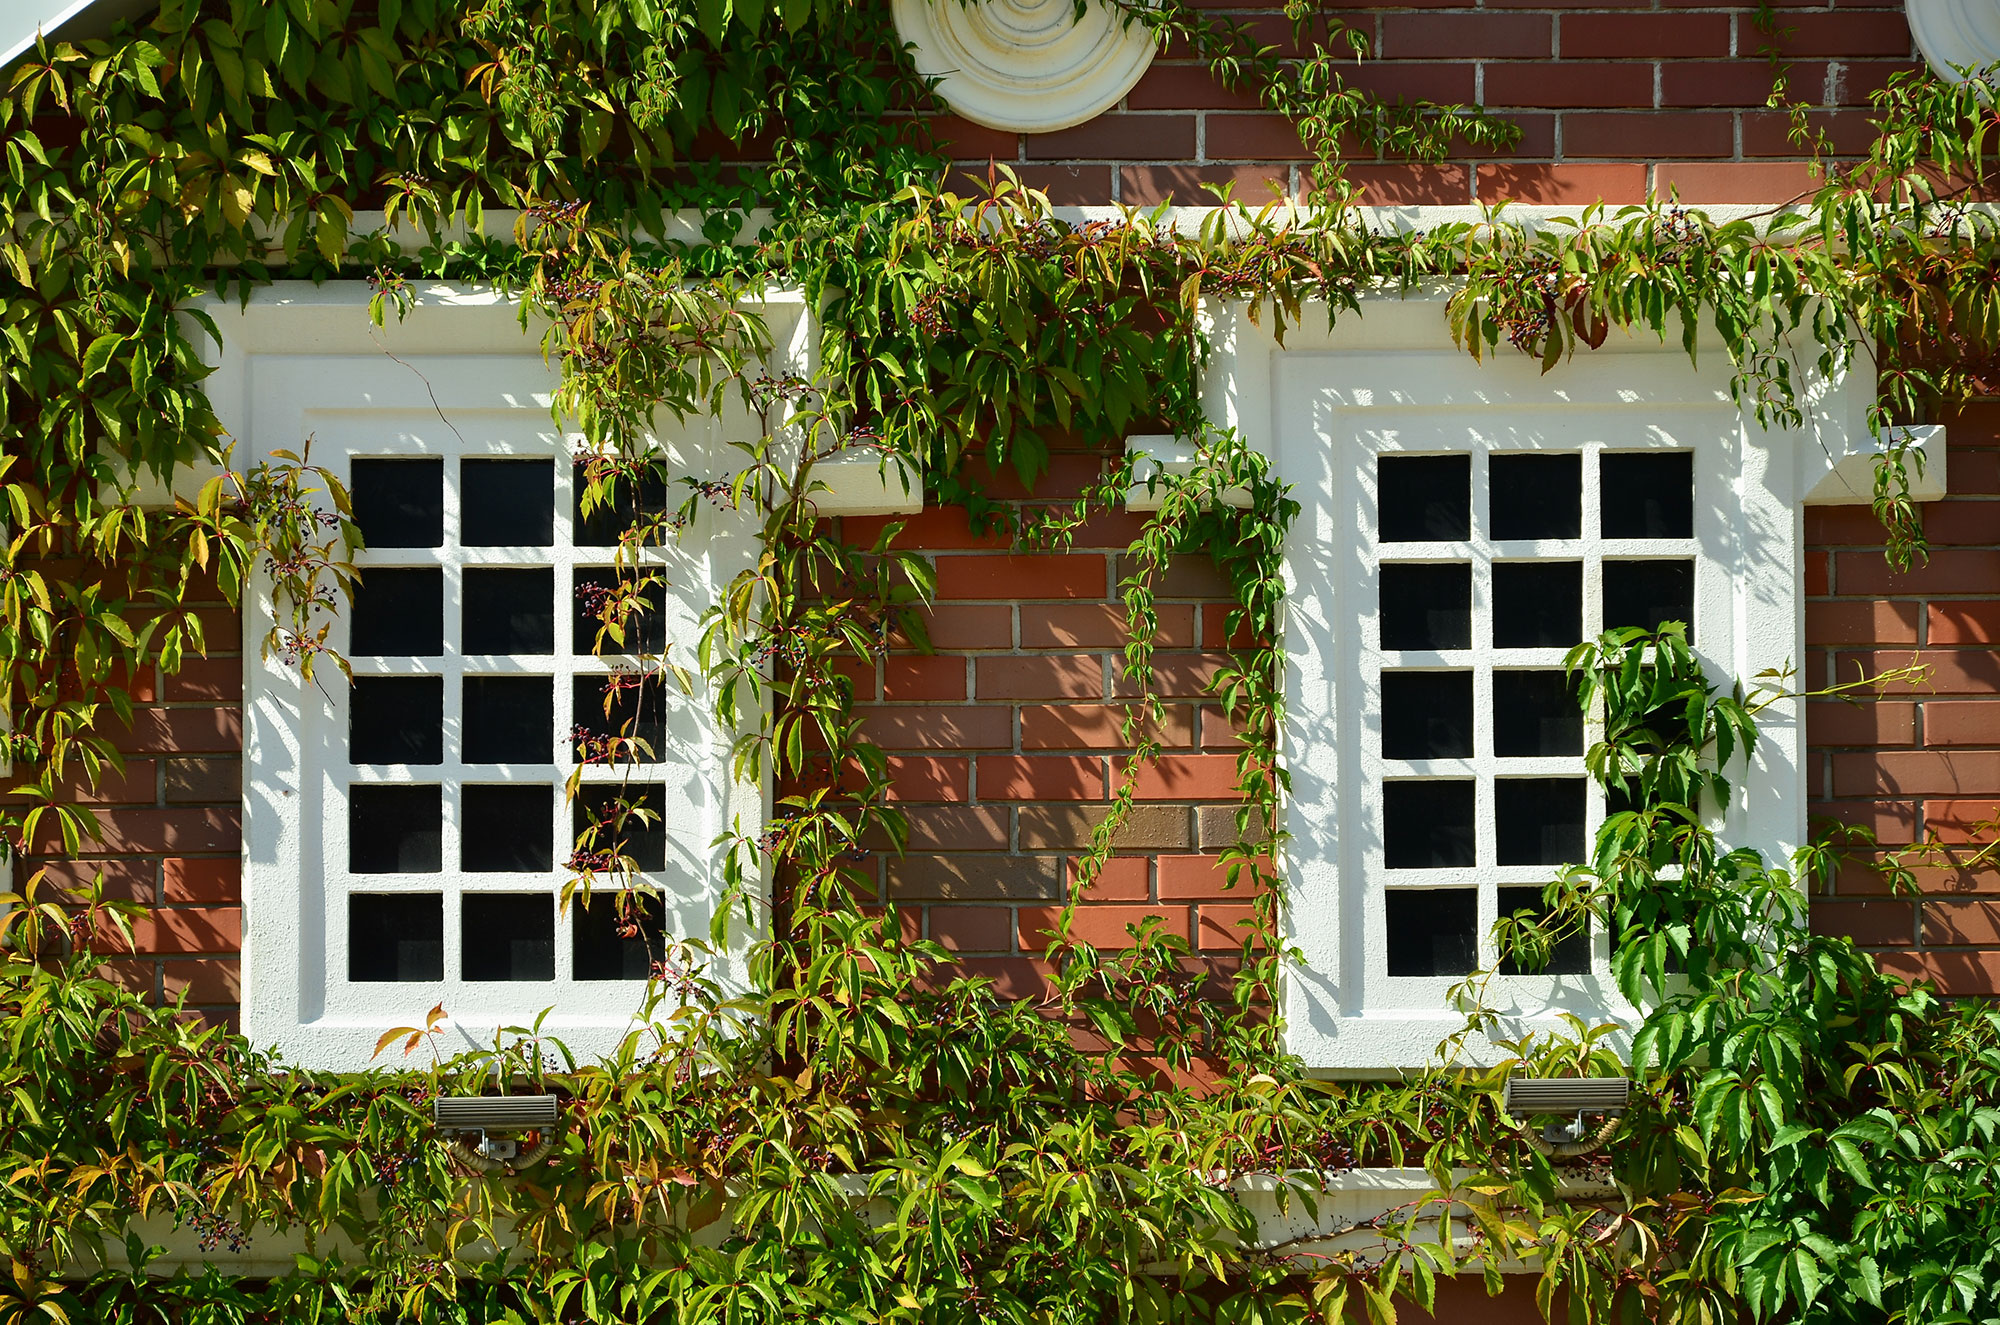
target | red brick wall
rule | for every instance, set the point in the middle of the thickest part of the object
(1921, 764)
(1614, 98)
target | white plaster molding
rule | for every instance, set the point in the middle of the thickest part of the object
(1848, 479)
(865, 481)
(1956, 35)
(1028, 66)
(1163, 453)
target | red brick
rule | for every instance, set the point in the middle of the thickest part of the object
(933, 529)
(1100, 626)
(1028, 576)
(1561, 185)
(1892, 822)
(1972, 471)
(1962, 522)
(202, 879)
(1051, 676)
(1732, 181)
(148, 832)
(1099, 926)
(952, 828)
(1217, 731)
(1917, 773)
(1119, 879)
(1410, 184)
(189, 929)
(1198, 877)
(1399, 80)
(1188, 777)
(1951, 671)
(1862, 623)
(923, 676)
(1070, 186)
(1962, 820)
(960, 138)
(1624, 135)
(217, 680)
(1644, 36)
(134, 975)
(182, 731)
(1722, 82)
(1570, 83)
(1768, 133)
(1120, 137)
(1249, 137)
(1962, 722)
(1817, 569)
(1041, 778)
(929, 778)
(1879, 924)
(1870, 722)
(1851, 526)
(1950, 570)
(1962, 623)
(1183, 577)
(1957, 973)
(1466, 36)
(1957, 923)
(1187, 185)
(859, 673)
(1172, 675)
(123, 880)
(1096, 726)
(207, 980)
(1186, 87)
(1224, 927)
(1844, 34)
(1013, 977)
(969, 625)
(973, 928)
(957, 727)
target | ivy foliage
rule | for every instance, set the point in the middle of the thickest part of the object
(861, 1135)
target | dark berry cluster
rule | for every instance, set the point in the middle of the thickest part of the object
(213, 1230)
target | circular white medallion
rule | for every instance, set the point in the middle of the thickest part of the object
(1029, 66)
(1956, 34)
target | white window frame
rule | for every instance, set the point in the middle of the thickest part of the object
(1387, 379)
(460, 375)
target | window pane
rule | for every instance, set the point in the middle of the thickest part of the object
(1427, 606)
(1538, 821)
(1569, 956)
(507, 503)
(1536, 713)
(396, 720)
(638, 714)
(1426, 715)
(630, 498)
(396, 937)
(645, 621)
(508, 936)
(1646, 494)
(1427, 825)
(627, 823)
(1646, 593)
(506, 829)
(398, 614)
(1432, 931)
(510, 611)
(509, 720)
(1535, 496)
(1537, 604)
(1424, 498)
(398, 503)
(394, 830)
(616, 936)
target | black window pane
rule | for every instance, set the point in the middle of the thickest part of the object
(1535, 496)
(1432, 931)
(637, 718)
(1427, 825)
(506, 828)
(632, 496)
(1426, 715)
(1536, 713)
(396, 720)
(620, 821)
(616, 936)
(1538, 821)
(395, 937)
(510, 611)
(597, 593)
(1646, 494)
(1424, 498)
(508, 936)
(1427, 606)
(1647, 593)
(398, 503)
(1537, 604)
(394, 830)
(507, 503)
(1569, 955)
(398, 614)
(509, 720)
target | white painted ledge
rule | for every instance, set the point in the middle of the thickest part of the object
(1848, 478)
(1161, 455)
(865, 481)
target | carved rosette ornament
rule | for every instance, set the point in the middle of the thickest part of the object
(1955, 35)
(1028, 66)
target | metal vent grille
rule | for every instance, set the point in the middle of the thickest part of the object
(483, 1113)
(1532, 1095)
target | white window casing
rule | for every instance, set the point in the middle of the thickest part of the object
(459, 382)
(1326, 408)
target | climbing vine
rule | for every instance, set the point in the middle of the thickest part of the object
(861, 1135)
